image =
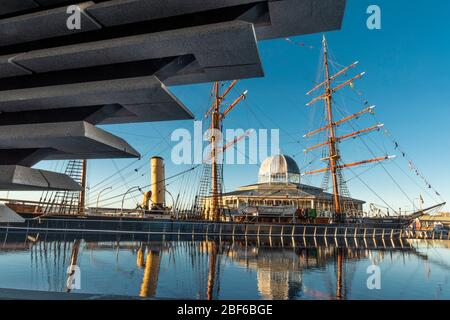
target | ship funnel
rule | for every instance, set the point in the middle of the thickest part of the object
(158, 182)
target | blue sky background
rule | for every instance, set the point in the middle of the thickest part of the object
(407, 78)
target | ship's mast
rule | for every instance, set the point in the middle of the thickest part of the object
(216, 127)
(82, 199)
(333, 152)
(332, 140)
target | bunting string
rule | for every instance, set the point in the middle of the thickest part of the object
(412, 167)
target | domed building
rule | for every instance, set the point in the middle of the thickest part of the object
(279, 185)
(279, 169)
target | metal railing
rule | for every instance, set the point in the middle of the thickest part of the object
(170, 227)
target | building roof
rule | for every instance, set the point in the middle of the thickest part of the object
(278, 164)
(279, 190)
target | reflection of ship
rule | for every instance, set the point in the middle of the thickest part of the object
(280, 268)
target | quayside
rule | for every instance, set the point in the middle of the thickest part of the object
(140, 227)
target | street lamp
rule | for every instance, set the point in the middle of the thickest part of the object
(123, 198)
(98, 196)
(173, 200)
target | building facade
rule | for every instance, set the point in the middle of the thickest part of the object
(279, 185)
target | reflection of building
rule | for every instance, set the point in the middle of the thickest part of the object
(278, 272)
(276, 285)
(279, 184)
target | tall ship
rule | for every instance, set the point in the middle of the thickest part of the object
(279, 195)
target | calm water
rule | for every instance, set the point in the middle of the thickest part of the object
(265, 269)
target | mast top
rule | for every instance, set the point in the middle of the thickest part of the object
(324, 42)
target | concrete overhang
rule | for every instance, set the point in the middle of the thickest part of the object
(21, 178)
(28, 144)
(43, 24)
(272, 18)
(120, 101)
(11, 6)
(275, 19)
(221, 51)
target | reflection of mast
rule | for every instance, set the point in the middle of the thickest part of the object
(339, 274)
(73, 264)
(211, 271)
(140, 262)
(151, 272)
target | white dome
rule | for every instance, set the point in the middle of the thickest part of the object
(279, 169)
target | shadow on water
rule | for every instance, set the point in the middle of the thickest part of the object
(199, 267)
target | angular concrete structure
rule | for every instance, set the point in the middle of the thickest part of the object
(21, 178)
(56, 84)
(272, 19)
(54, 24)
(220, 51)
(147, 91)
(59, 141)
(7, 215)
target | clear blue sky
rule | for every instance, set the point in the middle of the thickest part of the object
(407, 78)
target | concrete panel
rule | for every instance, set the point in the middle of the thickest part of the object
(18, 178)
(296, 17)
(55, 2)
(148, 112)
(118, 12)
(66, 140)
(214, 46)
(43, 24)
(142, 90)
(214, 74)
(287, 17)
(7, 215)
(9, 69)
(10, 6)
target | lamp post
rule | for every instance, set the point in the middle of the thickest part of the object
(173, 200)
(98, 196)
(123, 198)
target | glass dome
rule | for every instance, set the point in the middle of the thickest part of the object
(279, 169)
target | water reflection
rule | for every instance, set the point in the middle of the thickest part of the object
(263, 268)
